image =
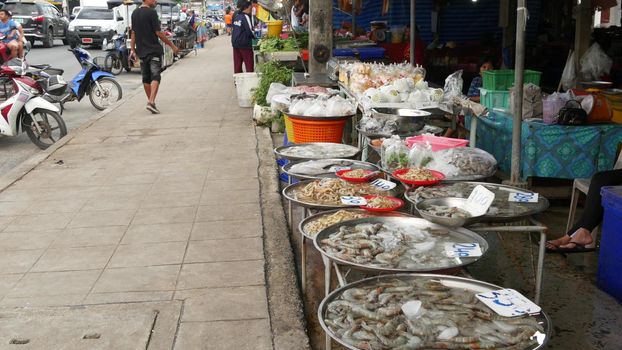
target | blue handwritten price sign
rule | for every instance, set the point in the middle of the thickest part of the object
(463, 250)
(383, 184)
(508, 303)
(353, 200)
(523, 197)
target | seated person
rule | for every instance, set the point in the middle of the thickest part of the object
(477, 82)
(20, 38)
(580, 235)
(9, 32)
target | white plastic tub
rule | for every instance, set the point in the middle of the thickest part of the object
(245, 83)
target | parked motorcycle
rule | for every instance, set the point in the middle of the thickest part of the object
(25, 109)
(118, 57)
(185, 39)
(101, 87)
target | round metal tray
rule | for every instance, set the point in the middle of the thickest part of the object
(504, 190)
(354, 164)
(288, 193)
(445, 180)
(450, 281)
(304, 222)
(304, 117)
(353, 154)
(412, 222)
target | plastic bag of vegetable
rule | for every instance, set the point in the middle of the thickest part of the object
(420, 155)
(394, 153)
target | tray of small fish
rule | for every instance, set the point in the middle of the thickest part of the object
(447, 179)
(324, 168)
(367, 314)
(326, 193)
(501, 209)
(395, 244)
(316, 150)
(315, 223)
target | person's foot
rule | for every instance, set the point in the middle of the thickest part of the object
(556, 243)
(151, 107)
(581, 238)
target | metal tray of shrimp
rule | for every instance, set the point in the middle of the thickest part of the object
(448, 179)
(326, 170)
(363, 213)
(391, 250)
(356, 337)
(316, 150)
(501, 209)
(289, 194)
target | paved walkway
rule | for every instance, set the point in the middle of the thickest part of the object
(144, 208)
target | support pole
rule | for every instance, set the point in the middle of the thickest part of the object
(583, 29)
(354, 18)
(517, 110)
(320, 34)
(413, 32)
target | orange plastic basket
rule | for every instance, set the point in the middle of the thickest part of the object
(289, 129)
(317, 130)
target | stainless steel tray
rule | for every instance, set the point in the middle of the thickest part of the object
(288, 193)
(304, 222)
(462, 233)
(354, 164)
(501, 191)
(401, 112)
(354, 151)
(450, 281)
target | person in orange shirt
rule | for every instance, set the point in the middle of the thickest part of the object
(228, 21)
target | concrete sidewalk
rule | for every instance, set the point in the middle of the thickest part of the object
(161, 212)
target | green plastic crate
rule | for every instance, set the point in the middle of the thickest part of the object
(504, 79)
(499, 99)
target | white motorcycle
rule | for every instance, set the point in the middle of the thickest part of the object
(25, 110)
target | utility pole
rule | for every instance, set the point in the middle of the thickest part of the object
(517, 110)
(320, 34)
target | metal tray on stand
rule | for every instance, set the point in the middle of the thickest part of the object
(353, 164)
(451, 281)
(348, 152)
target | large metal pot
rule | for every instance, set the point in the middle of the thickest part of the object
(408, 121)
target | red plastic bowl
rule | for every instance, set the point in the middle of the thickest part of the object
(370, 175)
(439, 177)
(398, 204)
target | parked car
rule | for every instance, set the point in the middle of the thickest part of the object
(40, 20)
(75, 12)
(94, 24)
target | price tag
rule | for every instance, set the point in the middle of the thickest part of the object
(463, 250)
(336, 168)
(383, 184)
(523, 197)
(353, 200)
(479, 200)
(508, 303)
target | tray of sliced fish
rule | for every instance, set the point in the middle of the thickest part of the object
(395, 244)
(326, 193)
(441, 312)
(501, 209)
(324, 168)
(315, 223)
(316, 150)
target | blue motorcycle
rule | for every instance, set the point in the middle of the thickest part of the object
(118, 57)
(101, 87)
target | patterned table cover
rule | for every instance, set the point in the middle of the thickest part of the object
(555, 151)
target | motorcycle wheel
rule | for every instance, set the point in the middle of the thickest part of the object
(109, 93)
(113, 64)
(52, 127)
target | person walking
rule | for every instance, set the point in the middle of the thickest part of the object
(229, 21)
(145, 45)
(242, 38)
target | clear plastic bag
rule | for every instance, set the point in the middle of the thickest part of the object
(552, 103)
(420, 155)
(569, 75)
(595, 62)
(453, 85)
(394, 154)
(464, 163)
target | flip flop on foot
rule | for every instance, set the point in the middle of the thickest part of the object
(574, 247)
(553, 245)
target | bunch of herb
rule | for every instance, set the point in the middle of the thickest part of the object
(271, 72)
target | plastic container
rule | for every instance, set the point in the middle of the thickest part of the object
(317, 130)
(609, 262)
(289, 129)
(503, 79)
(343, 53)
(615, 102)
(436, 142)
(244, 84)
(275, 28)
(366, 53)
(495, 98)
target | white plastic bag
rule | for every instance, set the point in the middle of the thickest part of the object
(569, 75)
(453, 85)
(595, 63)
(394, 153)
(532, 101)
(275, 89)
(420, 155)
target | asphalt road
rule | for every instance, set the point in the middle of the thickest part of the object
(15, 150)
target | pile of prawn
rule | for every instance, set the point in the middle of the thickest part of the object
(329, 191)
(371, 317)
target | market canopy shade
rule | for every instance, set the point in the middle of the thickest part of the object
(115, 3)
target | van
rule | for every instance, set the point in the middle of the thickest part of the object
(94, 24)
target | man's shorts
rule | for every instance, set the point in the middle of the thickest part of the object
(150, 68)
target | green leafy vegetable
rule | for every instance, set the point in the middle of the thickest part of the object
(271, 72)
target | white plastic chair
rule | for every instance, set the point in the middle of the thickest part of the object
(581, 186)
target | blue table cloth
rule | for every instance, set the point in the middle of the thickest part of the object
(557, 151)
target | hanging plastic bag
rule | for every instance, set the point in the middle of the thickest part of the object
(595, 63)
(453, 85)
(569, 75)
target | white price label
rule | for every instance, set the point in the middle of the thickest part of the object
(523, 197)
(383, 184)
(508, 303)
(336, 168)
(463, 250)
(353, 200)
(479, 200)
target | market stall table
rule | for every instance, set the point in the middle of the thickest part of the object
(556, 151)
